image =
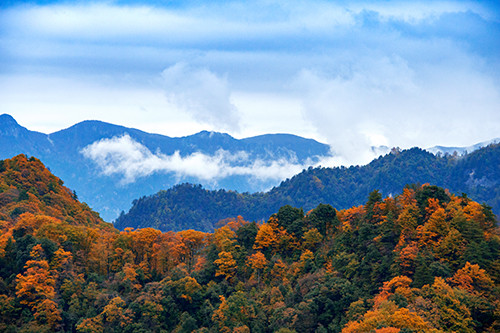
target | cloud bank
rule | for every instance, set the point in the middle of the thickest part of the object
(399, 73)
(125, 157)
(389, 101)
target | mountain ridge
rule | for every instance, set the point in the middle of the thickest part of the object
(62, 150)
(461, 150)
(476, 173)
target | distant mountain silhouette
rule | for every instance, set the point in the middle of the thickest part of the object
(461, 150)
(108, 194)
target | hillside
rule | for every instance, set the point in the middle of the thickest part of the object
(27, 187)
(477, 173)
(109, 165)
(422, 261)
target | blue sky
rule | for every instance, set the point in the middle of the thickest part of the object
(350, 73)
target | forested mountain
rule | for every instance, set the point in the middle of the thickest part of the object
(109, 166)
(186, 205)
(28, 189)
(421, 261)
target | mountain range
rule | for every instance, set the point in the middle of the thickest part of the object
(190, 206)
(108, 165)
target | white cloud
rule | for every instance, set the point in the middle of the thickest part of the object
(100, 30)
(401, 73)
(395, 102)
(201, 93)
(130, 159)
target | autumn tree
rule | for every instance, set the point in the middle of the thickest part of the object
(312, 238)
(226, 265)
(267, 236)
(257, 262)
(35, 288)
(192, 243)
(450, 313)
(224, 238)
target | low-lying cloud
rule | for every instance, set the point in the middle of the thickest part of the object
(130, 159)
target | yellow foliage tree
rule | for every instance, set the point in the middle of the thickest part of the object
(266, 237)
(312, 238)
(226, 265)
(257, 262)
(224, 238)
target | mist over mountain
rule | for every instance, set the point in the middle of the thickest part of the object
(109, 165)
(461, 150)
(191, 206)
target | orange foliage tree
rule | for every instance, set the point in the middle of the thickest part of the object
(35, 288)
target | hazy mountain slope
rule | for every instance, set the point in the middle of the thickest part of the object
(461, 150)
(15, 139)
(477, 173)
(110, 192)
(303, 148)
(82, 134)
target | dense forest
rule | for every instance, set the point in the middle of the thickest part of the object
(424, 260)
(186, 205)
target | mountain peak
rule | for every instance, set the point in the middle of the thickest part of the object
(6, 120)
(9, 126)
(91, 125)
(211, 134)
